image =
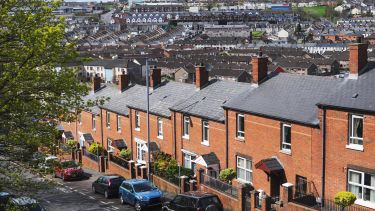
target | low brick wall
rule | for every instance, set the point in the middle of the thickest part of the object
(297, 207)
(165, 185)
(113, 168)
(230, 203)
(88, 163)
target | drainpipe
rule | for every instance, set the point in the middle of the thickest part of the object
(323, 156)
(226, 139)
(174, 136)
(131, 133)
(101, 126)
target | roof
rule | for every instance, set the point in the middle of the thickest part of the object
(118, 101)
(106, 91)
(269, 165)
(287, 97)
(355, 94)
(88, 137)
(207, 159)
(68, 135)
(208, 101)
(119, 143)
(108, 63)
(163, 97)
(226, 72)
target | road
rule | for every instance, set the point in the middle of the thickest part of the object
(78, 196)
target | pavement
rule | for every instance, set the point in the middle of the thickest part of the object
(77, 196)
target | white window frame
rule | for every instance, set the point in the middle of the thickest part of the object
(283, 142)
(93, 121)
(137, 121)
(189, 158)
(160, 127)
(109, 145)
(118, 119)
(186, 126)
(205, 129)
(362, 185)
(141, 153)
(351, 145)
(246, 180)
(107, 119)
(240, 134)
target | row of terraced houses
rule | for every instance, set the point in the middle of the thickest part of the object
(279, 131)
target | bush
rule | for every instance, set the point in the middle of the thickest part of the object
(227, 175)
(96, 148)
(345, 199)
(71, 143)
(125, 153)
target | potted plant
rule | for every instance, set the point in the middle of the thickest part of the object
(227, 175)
(125, 154)
(345, 199)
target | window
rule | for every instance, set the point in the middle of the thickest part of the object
(362, 184)
(244, 171)
(79, 118)
(160, 127)
(118, 122)
(137, 121)
(141, 153)
(93, 122)
(356, 130)
(240, 126)
(186, 126)
(108, 119)
(188, 161)
(205, 133)
(301, 186)
(286, 143)
(109, 145)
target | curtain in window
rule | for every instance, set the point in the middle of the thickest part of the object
(356, 190)
(357, 128)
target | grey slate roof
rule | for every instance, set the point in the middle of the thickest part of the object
(355, 94)
(288, 97)
(208, 101)
(210, 158)
(119, 101)
(163, 97)
(106, 91)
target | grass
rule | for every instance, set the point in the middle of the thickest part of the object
(318, 11)
(257, 34)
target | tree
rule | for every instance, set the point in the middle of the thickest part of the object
(227, 175)
(34, 94)
(345, 199)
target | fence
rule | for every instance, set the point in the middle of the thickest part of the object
(219, 185)
(119, 161)
(330, 205)
(90, 155)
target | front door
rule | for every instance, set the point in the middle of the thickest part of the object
(275, 186)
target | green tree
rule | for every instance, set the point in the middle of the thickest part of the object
(34, 94)
(227, 175)
(345, 199)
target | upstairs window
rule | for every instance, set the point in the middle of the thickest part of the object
(118, 122)
(205, 133)
(186, 126)
(93, 122)
(356, 130)
(160, 127)
(108, 119)
(240, 126)
(286, 142)
(137, 121)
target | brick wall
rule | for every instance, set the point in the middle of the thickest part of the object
(229, 203)
(86, 126)
(165, 185)
(88, 163)
(262, 140)
(339, 157)
(113, 168)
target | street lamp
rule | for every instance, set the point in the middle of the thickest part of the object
(148, 116)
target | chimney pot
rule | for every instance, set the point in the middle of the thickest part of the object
(201, 76)
(357, 58)
(123, 81)
(260, 69)
(96, 83)
(155, 77)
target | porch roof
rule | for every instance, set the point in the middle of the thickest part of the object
(270, 165)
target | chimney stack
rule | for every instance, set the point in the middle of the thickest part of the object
(96, 83)
(123, 81)
(155, 76)
(201, 76)
(357, 59)
(260, 69)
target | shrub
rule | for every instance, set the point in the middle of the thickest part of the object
(227, 175)
(345, 199)
(96, 148)
(172, 168)
(125, 153)
(71, 143)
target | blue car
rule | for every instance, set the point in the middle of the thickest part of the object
(142, 194)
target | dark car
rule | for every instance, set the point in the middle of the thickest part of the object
(140, 193)
(194, 200)
(4, 198)
(107, 185)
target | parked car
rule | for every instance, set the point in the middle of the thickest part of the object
(68, 170)
(194, 200)
(108, 185)
(24, 204)
(142, 194)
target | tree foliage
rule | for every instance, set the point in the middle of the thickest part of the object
(345, 199)
(227, 175)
